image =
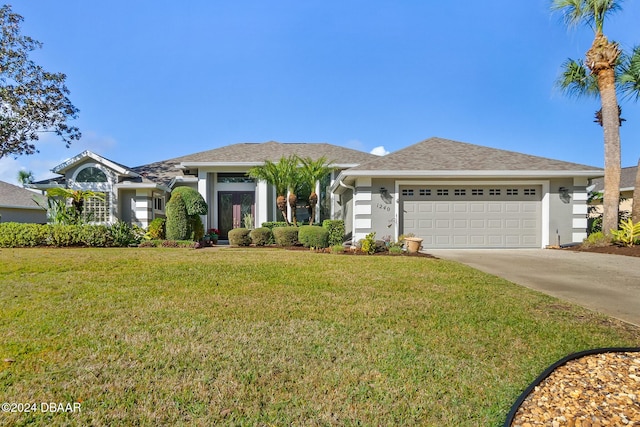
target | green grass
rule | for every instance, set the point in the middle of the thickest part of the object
(163, 336)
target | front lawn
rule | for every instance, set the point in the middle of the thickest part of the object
(162, 336)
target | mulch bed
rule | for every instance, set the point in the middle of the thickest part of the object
(610, 249)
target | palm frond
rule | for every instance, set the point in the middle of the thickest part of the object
(590, 12)
(628, 75)
(576, 80)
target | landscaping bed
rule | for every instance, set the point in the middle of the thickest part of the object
(609, 249)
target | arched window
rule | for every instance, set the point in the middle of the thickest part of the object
(91, 174)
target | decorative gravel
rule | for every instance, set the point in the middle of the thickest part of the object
(591, 391)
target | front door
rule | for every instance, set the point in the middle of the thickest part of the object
(233, 206)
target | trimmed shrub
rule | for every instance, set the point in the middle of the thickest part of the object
(156, 230)
(261, 236)
(18, 235)
(193, 201)
(313, 236)
(239, 237)
(337, 249)
(177, 224)
(285, 236)
(272, 224)
(198, 228)
(125, 234)
(336, 231)
(98, 236)
(66, 235)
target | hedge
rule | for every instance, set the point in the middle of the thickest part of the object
(261, 236)
(313, 236)
(239, 237)
(285, 236)
(19, 235)
(336, 231)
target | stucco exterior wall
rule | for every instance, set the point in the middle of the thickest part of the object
(36, 216)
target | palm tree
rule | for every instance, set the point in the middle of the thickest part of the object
(25, 177)
(282, 176)
(601, 60)
(629, 82)
(77, 199)
(311, 172)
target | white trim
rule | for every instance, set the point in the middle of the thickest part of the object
(580, 209)
(580, 196)
(544, 238)
(418, 174)
(362, 209)
(88, 154)
(578, 237)
(580, 223)
(364, 182)
(362, 223)
(363, 196)
(580, 182)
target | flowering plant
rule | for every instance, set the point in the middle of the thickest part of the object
(213, 231)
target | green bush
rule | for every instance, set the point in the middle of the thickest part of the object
(193, 201)
(272, 224)
(197, 227)
(368, 244)
(628, 234)
(337, 249)
(336, 231)
(124, 234)
(313, 236)
(261, 236)
(66, 235)
(156, 230)
(285, 236)
(18, 235)
(98, 236)
(596, 239)
(177, 225)
(239, 237)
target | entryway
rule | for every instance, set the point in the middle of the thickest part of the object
(233, 206)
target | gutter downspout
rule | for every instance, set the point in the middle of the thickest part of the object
(353, 214)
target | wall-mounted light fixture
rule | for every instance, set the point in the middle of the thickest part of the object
(563, 193)
(385, 196)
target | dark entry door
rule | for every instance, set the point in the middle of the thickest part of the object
(232, 208)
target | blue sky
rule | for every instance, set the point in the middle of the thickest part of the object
(157, 79)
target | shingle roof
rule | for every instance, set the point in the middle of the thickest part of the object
(627, 179)
(438, 154)
(165, 170)
(14, 196)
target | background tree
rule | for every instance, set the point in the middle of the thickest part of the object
(32, 100)
(601, 60)
(25, 177)
(311, 172)
(281, 175)
(629, 82)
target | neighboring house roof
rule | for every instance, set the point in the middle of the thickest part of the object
(12, 196)
(252, 154)
(627, 180)
(435, 156)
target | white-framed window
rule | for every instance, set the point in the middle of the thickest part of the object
(158, 203)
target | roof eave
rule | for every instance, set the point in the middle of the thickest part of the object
(474, 173)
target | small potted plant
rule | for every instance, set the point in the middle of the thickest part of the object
(213, 234)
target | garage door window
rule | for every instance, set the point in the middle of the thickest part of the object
(460, 192)
(529, 191)
(477, 192)
(407, 192)
(512, 191)
(425, 192)
(442, 192)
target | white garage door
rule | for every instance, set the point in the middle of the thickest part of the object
(507, 216)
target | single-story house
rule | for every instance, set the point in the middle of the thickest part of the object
(20, 205)
(627, 185)
(451, 194)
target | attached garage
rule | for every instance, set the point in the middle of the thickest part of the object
(468, 216)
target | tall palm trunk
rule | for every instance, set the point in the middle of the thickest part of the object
(601, 60)
(293, 202)
(281, 202)
(313, 202)
(635, 208)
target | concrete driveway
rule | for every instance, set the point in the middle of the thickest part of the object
(609, 284)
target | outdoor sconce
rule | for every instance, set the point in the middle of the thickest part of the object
(563, 193)
(384, 195)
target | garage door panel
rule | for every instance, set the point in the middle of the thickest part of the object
(475, 219)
